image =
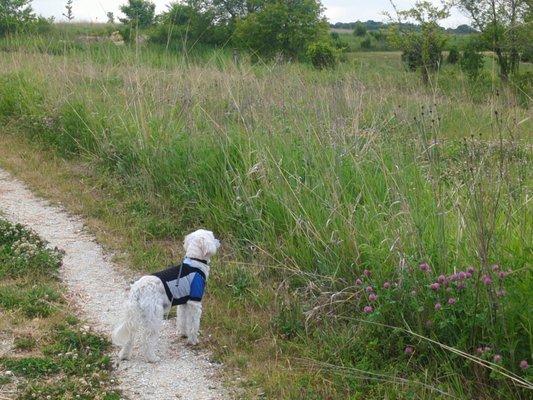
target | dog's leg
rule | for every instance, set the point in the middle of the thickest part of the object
(154, 319)
(181, 320)
(194, 313)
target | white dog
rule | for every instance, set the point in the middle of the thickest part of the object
(153, 295)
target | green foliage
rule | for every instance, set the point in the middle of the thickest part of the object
(522, 84)
(472, 62)
(502, 25)
(422, 48)
(139, 13)
(322, 55)
(17, 16)
(183, 26)
(282, 28)
(366, 44)
(453, 56)
(360, 29)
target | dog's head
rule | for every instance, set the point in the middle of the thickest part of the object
(201, 244)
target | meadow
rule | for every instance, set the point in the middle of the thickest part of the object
(376, 231)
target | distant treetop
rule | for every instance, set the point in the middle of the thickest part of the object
(371, 25)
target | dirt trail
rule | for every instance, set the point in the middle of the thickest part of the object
(99, 290)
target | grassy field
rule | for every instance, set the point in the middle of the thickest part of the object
(342, 198)
(53, 355)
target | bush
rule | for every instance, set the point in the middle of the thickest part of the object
(139, 13)
(360, 29)
(472, 62)
(322, 55)
(282, 28)
(453, 56)
(366, 44)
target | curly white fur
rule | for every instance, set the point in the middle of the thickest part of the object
(148, 302)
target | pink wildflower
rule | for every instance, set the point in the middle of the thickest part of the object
(441, 279)
(452, 300)
(523, 364)
(438, 306)
(369, 289)
(462, 275)
(497, 358)
(409, 350)
(495, 267)
(434, 286)
(367, 273)
(468, 275)
(368, 309)
(424, 266)
(502, 274)
(487, 280)
(470, 270)
(386, 285)
(373, 297)
(358, 282)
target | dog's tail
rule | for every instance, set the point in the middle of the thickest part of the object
(122, 333)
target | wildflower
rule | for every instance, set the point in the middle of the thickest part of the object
(434, 286)
(367, 273)
(452, 300)
(497, 358)
(454, 277)
(441, 279)
(462, 275)
(479, 350)
(524, 365)
(501, 293)
(495, 267)
(409, 350)
(502, 274)
(386, 285)
(487, 280)
(424, 266)
(372, 297)
(369, 289)
(487, 349)
(438, 306)
(468, 275)
(461, 286)
(368, 309)
(358, 282)
(470, 270)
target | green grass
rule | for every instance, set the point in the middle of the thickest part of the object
(53, 355)
(309, 177)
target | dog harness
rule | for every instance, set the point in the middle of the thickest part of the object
(184, 282)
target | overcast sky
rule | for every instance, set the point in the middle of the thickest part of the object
(336, 10)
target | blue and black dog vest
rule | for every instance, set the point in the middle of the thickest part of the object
(184, 282)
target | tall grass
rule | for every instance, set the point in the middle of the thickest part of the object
(315, 177)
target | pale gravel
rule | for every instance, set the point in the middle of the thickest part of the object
(98, 289)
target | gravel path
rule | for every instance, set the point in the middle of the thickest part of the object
(99, 289)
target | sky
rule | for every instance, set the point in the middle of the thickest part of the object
(335, 10)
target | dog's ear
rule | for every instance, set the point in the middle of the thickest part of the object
(209, 245)
(186, 241)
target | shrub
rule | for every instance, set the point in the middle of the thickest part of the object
(366, 44)
(472, 62)
(453, 56)
(523, 87)
(282, 28)
(322, 55)
(360, 29)
(139, 13)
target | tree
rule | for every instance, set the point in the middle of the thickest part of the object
(139, 13)
(500, 22)
(282, 27)
(186, 25)
(15, 15)
(360, 29)
(422, 47)
(68, 11)
(110, 17)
